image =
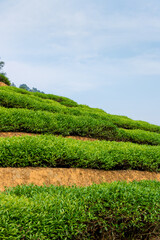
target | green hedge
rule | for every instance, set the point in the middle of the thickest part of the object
(108, 211)
(11, 99)
(19, 98)
(138, 136)
(51, 151)
(46, 122)
(64, 124)
(127, 123)
(16, 100)
(62, 100)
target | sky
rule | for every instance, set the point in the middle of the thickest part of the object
(102, 53)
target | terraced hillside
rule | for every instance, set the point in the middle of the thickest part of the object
(42, 138)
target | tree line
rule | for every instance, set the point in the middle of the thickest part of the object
(5, 79)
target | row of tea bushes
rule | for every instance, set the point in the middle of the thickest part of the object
(51, 151)
(117, 210)
(65, 124)
(138, 136)
(25, 120)
(16, 100)
(63, 100)
(19, 98)
(11, 99)
(127, 123)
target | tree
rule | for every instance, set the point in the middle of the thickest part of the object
(24, 86)
(13, 85)
(35, 90)
(3, 77)
(1, 65)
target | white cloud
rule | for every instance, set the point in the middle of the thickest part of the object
(68, 46)
(65, 29)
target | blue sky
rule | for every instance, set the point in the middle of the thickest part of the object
(102, 53)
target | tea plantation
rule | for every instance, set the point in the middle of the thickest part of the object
(117, 210)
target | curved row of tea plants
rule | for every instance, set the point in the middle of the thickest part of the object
(25, 120)
(107, 211)
(127, 123)
(19, 98)
(51, 151)
(138, 136)
(62, 100)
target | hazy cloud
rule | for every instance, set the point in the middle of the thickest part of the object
(80, 46)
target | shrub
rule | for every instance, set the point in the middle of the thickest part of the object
(62, 100)
(18, 98)
(127, 123)
(138, 136)
(51, 151)
(4, 79)
(106, 211)
(46, 122)
(62, 123)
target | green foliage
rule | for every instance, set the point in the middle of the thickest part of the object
(4, 79)
(138, 136)
(13, 84)
(120, 210)
(1, 64)
(16, 100)
(51, 151)
(63, 100)
(24, 86)
(25, 100)
(117, 210)
(46, 122)
(63, 122)
(11, 99)
(127, 123)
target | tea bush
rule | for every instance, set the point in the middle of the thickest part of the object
(16, 100)
(27, 100)
(63, 100)
(64, 121)
(117, 210)
(127, 123)
(65, 124)
(46, 122)
(51, 151)
(138, 136)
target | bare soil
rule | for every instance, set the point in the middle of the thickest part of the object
(19, 134)
(2, 84)
(10, 177)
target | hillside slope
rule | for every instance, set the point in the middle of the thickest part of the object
(36, 146)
